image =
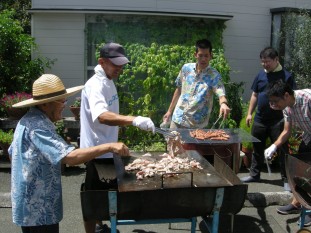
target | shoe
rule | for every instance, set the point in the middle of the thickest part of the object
(286, 187)
(101, 228)
(249, 179)
(307, 222)
(98, 228)
(289, 209)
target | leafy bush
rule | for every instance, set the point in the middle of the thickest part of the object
(6, 137)
(77, 102)
(296, 38)
(9, 100)
(18, 70)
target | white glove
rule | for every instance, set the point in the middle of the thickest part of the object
(270, 151)
(144, 123)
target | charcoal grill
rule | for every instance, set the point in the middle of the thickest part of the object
(228, 150)
(207, 193)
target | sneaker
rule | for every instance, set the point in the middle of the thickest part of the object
(289, 209)
(307, 222)
(97, 228)
(103, 229)
(249, 179)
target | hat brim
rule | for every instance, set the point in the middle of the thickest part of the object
(119, 61)
(31, 102)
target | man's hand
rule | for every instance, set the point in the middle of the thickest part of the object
(270, 151)
(144, 123)
(224, 110)
(120, 148)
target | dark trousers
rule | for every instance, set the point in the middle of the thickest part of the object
(262, 132)
(42, 229)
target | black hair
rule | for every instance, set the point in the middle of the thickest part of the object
(268, 52)
(278, 89)
(203, 44)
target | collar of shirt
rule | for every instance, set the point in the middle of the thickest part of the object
(202, 71)
(277, 69)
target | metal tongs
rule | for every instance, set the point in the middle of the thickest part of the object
(164, 132)
(219, 117)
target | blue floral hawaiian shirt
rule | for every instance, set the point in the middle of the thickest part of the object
(196, 100)
(36, 153)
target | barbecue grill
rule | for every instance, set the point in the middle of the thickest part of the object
(227, 150)
(182, 197)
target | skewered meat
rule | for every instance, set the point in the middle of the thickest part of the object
(210, 134)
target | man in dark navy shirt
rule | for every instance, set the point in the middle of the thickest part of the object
(267, 122)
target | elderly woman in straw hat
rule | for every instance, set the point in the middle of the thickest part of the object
(37, 152)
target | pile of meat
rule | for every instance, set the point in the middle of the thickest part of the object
(210, 134)
(168, 164)
(174, 144)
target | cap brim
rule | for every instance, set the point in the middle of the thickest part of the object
(31, 102)
(119, 61)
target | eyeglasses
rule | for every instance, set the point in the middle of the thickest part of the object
(61, 102)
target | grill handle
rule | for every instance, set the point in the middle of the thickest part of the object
(176, 173)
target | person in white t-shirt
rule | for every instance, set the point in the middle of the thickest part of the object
(100, 118)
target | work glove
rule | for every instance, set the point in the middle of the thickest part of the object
(270, 151)
(144, 123)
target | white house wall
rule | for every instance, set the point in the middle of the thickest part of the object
(61, 35)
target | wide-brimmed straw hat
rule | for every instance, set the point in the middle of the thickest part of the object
(46, 89)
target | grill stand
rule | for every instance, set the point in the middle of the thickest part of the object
(212, 224)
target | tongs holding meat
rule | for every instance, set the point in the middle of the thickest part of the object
(164, 132)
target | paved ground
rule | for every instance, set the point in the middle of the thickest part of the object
(258, 214)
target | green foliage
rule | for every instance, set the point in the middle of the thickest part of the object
(9, 100)
(77, 102)
(17, 69)
(21, 7)
(296, 38)
(60, 129)
(6, 137)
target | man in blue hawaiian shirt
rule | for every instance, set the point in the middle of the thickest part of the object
(196, 83)
(37, 152)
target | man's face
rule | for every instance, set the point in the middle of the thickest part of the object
(112, 71)
(203, 57)
(278, 103)
(269, 64)
(54, 109)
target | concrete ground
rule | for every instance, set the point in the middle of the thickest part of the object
(258, 214)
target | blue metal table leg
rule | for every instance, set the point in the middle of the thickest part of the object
(303, 214)
(213, 225)
(113, 207)
(193, 224)
(217, 205)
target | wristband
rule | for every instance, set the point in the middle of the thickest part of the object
(224, 103)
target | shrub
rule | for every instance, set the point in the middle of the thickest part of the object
(8, 100)
(6, 137)
(18, 69)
